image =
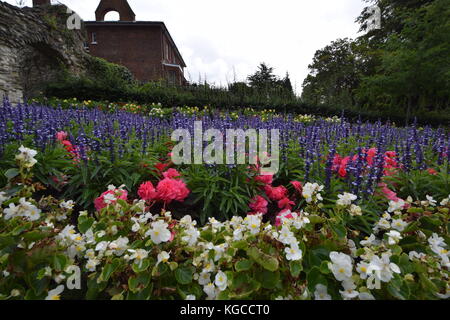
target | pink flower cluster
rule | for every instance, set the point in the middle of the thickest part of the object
(110, 197)
(279, 195)
(168, 189)
(390, 165)
(61, 136)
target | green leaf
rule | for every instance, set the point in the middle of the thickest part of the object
(314, 277)
(59, 262)
(243, 265)
(184, 274)
(108, 270)
(139, 282)
(268, 279)
(296, 268)
(86, 224)
(141, 267)
(11, 173)
(266, 261)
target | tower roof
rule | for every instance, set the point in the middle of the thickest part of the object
(121, 6)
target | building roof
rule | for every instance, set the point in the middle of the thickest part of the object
(138, 23)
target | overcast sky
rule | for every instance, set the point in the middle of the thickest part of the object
(221, 40)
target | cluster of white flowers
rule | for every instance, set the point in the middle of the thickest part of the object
(24, 209)
(345, 200)
(438, 246)
(288, 220)
(26, 157)
(311, 192)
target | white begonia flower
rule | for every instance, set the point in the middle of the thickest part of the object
(236, 221)
(415, 255)
(102, 246)
(444, 202)
(138, 255)
(216, 225)
(431, 201)
(382, 268)
(321, 293)
(355, 210)
(11, 212)
(209, 267)
(286, 236)
(341, 265)
(394, 237)
(238, 233)
(55, 294)
(67, 204)
(293, 253)
(3, 197)
(119, 246)
(382, 224)
(92, 264)
(436, 241)
(159, 232)
(399, 225)
(204, 278)
(219, 251)
(187, 222)
(26, 156)
(109, 198)
(253, 223)
(190, 297)
(221, 281)
(136, 227)
(346, 199)
(366, 296)
(301, 220)
(396, 205)
(211, 291)
(191, 236)
(311, 192)
(349, 290)
(163, 257)
(362, 269)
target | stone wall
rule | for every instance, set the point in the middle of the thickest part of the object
(36, 47)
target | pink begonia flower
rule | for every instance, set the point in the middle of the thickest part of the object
(259, 205)
(118, 194)
(275, 193)
(286, 203)
(61, 135)
(287, 214)
(172, 189)
(297, 186)
(147, 191)
(265, 179)
(171, 173)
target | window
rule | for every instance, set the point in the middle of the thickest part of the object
(94, 38)
(172, 77)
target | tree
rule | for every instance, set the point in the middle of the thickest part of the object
(263, 78)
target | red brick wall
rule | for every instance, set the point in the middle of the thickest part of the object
(136, 47)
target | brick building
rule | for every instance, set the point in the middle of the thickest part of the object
(144, 47)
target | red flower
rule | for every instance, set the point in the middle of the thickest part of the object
(259, 205)
(147, 191)
(161, 166)
(118, 194)
(285, 203)
(61, 135)
(275, 193)
(343, 166)
(297, 186)
(265, 179)
(172, 189)
(432, 171)
(171, 173)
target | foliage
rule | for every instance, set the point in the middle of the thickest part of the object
(125, 252)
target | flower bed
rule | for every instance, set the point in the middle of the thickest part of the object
(124, 251)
